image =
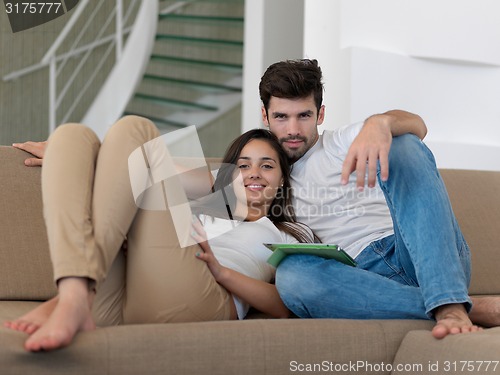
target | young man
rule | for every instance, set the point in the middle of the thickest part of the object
(413, 261)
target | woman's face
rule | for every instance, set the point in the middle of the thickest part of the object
(259, 177)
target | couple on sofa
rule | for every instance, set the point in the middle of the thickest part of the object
(398, 225)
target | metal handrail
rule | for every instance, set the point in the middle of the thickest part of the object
(56, 63)
(51, 59)
(119, 45)
(45, 61)
(65, 31)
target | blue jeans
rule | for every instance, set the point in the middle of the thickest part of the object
(424, 265)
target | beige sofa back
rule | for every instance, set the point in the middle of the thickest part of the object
(475, 196)
(25, 269)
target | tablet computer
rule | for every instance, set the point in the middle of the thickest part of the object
(329, 251)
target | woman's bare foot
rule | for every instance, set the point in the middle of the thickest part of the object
(71, 314)
(452, 319)
(31, 321)
(485, 311)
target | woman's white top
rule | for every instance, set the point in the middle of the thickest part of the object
(239, 245)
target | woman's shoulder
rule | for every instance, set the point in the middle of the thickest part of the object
(297, 227)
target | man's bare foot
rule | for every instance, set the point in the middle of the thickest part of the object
(30, 322)
(485, 311)
(71, 314)
(452, 319)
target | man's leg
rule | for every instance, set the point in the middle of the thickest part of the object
(314, 287)
(429, 244)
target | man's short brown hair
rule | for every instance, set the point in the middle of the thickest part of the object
(292, 79)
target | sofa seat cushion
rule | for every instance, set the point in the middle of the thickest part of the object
(456, 354)
(256, 346)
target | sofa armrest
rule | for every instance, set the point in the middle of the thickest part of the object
(456, 354)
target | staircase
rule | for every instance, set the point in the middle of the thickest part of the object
(194, 76)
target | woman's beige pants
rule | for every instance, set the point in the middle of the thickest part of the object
(89, 211)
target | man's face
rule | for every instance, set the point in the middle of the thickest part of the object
(295, 123)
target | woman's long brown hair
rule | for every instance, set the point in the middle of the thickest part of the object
(281, 211)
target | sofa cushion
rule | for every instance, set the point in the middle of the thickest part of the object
(261, 346)
(455, 354)
(25, 268)
(476, 202)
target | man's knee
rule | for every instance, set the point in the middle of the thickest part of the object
(286, 283)
(408, 150)
(288, 275)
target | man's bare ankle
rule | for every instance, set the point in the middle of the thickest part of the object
(456, 310)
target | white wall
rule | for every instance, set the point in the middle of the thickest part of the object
(273, 32)
(440, 59)
(322, 41)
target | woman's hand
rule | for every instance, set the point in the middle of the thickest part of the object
(257, 293)
(206, 255)
(36, 149)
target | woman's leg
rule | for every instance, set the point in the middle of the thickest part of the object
(165, 281)
(67, 179)
(89, 212)
(67, 174)
(88, 209)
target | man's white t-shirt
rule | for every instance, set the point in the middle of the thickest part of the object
(338, 214)
(239, 245)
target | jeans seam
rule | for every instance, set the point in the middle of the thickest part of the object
(399, 271)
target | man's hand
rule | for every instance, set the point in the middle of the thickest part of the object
(370, 146)
(374, 142)
(37, 149)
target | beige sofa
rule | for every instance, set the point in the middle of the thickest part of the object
(256, 345)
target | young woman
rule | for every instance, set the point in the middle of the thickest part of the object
(90, 210)
(256, 169)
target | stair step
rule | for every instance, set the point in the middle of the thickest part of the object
(197, 17)
(158, 120)
(208, 85)
(152, 109)
(183, 93)
(199, 51)
(162, 2)
(200, 40)
(192, 72)
(214, 30)
(208, 8)
(200, 62)
(174, 102)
